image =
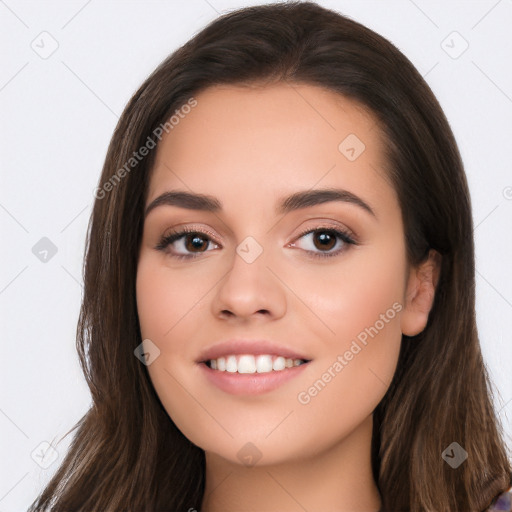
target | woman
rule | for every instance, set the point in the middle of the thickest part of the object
(282, 237)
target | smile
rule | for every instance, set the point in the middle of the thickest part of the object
(247, 363)
(248, 374)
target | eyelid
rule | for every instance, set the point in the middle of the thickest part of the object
(326, 225)
(191, 229)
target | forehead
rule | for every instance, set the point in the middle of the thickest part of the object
(265, 141)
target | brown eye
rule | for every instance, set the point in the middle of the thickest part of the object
(324, 240)
(185, 244)
(195, 241)
(320, 242)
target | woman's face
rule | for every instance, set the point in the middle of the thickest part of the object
(249, 273)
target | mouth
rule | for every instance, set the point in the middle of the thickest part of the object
(251, 374)
(253, 363)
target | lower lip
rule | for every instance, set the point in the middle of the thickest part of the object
(250, 383)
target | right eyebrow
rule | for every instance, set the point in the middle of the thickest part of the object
(186, 200)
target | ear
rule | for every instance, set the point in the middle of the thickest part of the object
(419, 296)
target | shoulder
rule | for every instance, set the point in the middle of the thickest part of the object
(502, 503)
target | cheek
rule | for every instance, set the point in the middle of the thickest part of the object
(365, 290)
(356, 371)
(165, 307)
(163, 301)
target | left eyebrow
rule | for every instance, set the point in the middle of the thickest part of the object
(307, 198)
(295, 201)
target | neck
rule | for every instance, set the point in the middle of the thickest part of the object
(339, 479)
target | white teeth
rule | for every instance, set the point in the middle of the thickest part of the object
(231, 364)
(264, 364)
(279, 363)
(247, 363)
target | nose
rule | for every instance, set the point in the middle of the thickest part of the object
(250, 288)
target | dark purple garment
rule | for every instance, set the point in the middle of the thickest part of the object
(503, 503)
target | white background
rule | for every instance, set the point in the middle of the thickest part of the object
(57, 117)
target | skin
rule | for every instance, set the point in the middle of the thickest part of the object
(248, 147)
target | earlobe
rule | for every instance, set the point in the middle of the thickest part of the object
(420, 293)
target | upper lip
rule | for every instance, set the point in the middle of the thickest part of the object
(255, 347)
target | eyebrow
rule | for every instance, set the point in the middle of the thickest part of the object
(296, 201)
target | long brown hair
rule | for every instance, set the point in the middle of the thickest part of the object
(127, 454)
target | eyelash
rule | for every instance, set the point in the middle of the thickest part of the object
(177, 235)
